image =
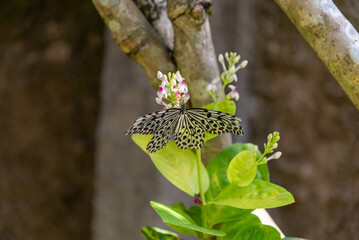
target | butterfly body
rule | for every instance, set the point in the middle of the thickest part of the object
(187, 125)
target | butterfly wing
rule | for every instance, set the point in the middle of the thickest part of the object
(162, 136)
(152, 122)
(188, 134)
(215, 122)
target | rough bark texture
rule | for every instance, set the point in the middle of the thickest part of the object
(319, 126)
(332, 37)
(49, 71)
(135, 36)
(193, 47)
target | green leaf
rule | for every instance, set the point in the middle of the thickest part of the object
(226, 105)
(242, 169)
(155, 233)
(249, 227)
(220, 213)
(262, 172)
(217, 168)
(259, 194)
(177, 165)
(194, 212)
(176, 217)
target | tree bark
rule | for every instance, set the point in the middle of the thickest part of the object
(135, 36)
(332, 37)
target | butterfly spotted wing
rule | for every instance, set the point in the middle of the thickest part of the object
(152, 122)
(189, 126)
(216, 122)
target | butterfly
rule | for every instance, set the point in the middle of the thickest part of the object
(187, 125)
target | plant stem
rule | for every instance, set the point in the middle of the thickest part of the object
(201, 192)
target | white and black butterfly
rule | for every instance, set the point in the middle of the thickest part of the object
(187, 125)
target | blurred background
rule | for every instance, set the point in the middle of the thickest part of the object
(67, 94)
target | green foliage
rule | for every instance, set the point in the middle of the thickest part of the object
(173, 216)
(177, 165)
(155, 233)
(242, 169)
(235, 182)
(249, 227)
(259, 194)
(217, 168)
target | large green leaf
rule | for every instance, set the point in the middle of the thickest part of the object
(194, 212)
(217, 168)
(259, 194)
(177, 165)
(226, 105)
(242, 169)
(249, 227)
(221, 213)
(155, 233)
(173, 216)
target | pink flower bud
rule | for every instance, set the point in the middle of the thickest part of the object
(183, 87)
(186, 98)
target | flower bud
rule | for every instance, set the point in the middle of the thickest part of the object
(232, 70)
(270, 136)
(220, 59)
(243, 64)
(275, 145)
(186, 98)
(173, 82)
(179, 77)
(159, 75)
(277, 155)
(236, 59)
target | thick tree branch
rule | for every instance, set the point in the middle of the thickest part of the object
(195, 56)
(331, 36)
(135, 36)
(156, 13)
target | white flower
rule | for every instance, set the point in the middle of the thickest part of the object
(162, 92)
(220, 59)
(274, 156)
(183, 87)
(178, 96)
(179, 77)
(186, 98)
(159, 101)
(211, 87)
(159, 75)
(233, 78)
(234, 93)
(242, 65)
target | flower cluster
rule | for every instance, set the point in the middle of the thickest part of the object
(228, 76)
(173, 90)
(269, 147)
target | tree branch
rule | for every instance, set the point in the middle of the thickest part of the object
(195, 56)
(156, 13)
(331, 36)
(135, 36)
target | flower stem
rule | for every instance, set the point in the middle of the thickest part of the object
(201, 192)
